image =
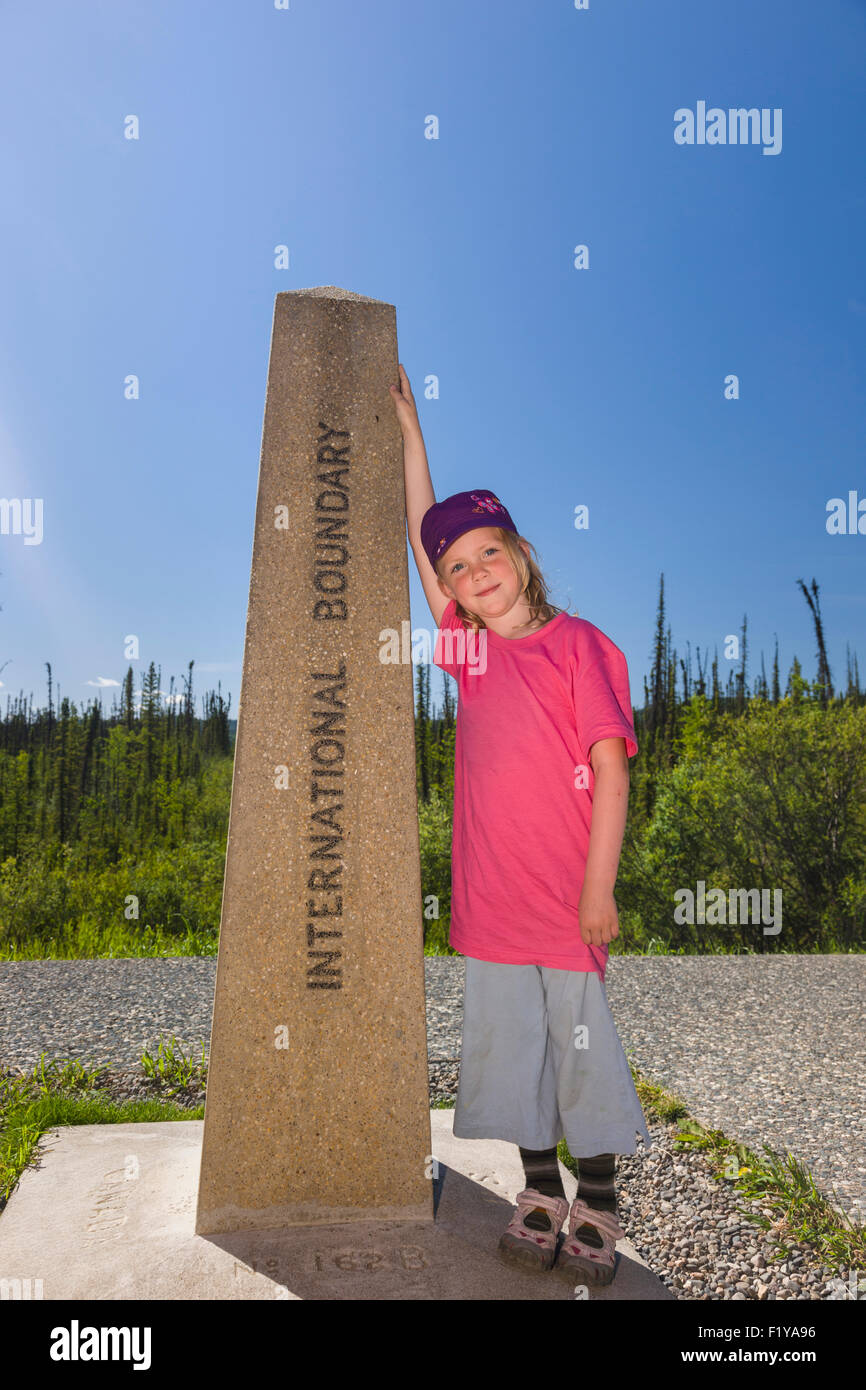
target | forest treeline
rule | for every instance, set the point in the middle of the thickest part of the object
(113, 826)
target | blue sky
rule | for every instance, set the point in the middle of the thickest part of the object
(558, 386)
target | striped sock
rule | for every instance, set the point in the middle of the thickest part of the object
(596, 1184)
(541, 1171)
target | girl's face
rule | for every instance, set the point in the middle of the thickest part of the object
(475, 563)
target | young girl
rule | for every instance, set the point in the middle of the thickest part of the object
(544, 734)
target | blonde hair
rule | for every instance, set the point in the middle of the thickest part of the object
(532, 582)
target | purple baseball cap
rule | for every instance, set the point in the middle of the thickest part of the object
(464, 511)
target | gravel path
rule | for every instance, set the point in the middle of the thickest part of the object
(767, 1049)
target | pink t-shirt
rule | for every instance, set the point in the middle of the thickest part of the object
(528, 711)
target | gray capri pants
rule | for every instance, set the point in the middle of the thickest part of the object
(522, 1076)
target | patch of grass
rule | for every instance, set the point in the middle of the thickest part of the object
(792, 1209)
(62, 1092)
(171, 1064)
(89, 940)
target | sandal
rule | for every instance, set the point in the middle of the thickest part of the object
(589, 1264)
(519, 1244)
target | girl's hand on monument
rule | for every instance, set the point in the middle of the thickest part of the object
(404, 403)
(599, 921)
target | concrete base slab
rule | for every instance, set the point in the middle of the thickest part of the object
(108, 1212)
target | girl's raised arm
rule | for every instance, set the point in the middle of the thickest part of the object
(419, 489)
(416, 471)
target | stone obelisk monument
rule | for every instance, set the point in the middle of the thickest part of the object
(317, 1103)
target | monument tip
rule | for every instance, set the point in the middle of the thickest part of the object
(333, 292)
